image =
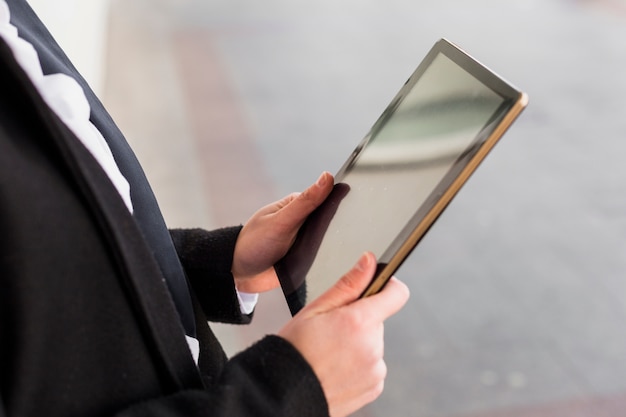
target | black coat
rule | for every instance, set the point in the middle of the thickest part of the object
(87, 323)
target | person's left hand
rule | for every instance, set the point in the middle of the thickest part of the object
(270, 232)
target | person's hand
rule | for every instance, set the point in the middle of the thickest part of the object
(341, 337)
(269, 234)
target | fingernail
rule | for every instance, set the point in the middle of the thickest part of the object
(363, 262)
(322, 180)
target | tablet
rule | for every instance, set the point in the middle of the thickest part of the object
(399, 179)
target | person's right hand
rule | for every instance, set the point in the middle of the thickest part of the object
(341, 336)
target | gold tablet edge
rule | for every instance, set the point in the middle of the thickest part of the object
(389, 269)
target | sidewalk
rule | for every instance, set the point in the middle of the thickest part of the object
(518, 293)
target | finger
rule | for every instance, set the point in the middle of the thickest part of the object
(349, 287)
(277, 206)
(301, 205)
(386, 303)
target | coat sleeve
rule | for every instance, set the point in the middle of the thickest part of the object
(268, 379)
(271, 378)
(207, 257)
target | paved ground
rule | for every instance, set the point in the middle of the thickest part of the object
(518, 293)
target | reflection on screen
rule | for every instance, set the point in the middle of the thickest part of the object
(409, 152)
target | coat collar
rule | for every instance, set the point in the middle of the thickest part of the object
(138, 268)
(146, 210)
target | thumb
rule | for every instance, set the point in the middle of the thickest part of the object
(301, 205)
(349, 287)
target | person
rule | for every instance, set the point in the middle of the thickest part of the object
(104, 311)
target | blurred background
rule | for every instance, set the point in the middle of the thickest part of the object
(518, 303)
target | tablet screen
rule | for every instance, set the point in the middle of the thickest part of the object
(415, 152)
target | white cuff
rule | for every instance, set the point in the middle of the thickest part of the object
(194, 347)
(247, 302)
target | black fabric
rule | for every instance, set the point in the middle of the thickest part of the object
(209, 254)
(64, 306)
(87, 324)
(293, 398)
(146, 209)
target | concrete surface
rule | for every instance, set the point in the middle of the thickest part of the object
(518, 293)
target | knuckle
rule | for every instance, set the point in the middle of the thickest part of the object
(307, 197)
(375, 391)
(350, 282)
(380, 371)
(355, 321)
(379, 349)
(379, 374)
(378, 389)
(292, 196)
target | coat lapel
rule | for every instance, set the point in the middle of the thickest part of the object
(138, 268)
(146, 210)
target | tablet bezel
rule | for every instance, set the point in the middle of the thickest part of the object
(428, 212)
